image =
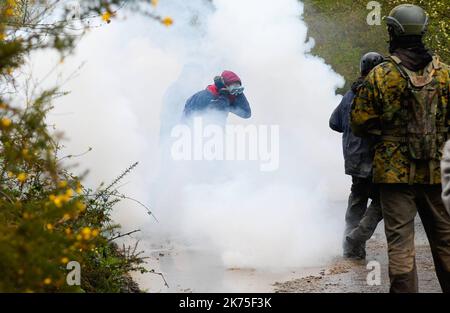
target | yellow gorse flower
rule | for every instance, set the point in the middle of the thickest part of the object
(69, 192)
(81, 206)
(78, 188)
(86, 233)
(6, 122)
(106, 16)
(9, 12)
(47, 281)
(57, 201)
(167, 21)
(11, 7)
(22, 177)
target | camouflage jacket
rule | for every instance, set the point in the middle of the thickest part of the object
(377, 109)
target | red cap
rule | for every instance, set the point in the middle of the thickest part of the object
(230, 77)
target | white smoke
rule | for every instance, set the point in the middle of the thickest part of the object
(134, 84)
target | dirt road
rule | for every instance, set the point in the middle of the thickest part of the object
(193, 270)
(351, 276)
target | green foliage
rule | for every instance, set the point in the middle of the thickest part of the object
(343, 36)
(47, 218)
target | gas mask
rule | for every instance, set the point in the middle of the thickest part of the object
(236, 89)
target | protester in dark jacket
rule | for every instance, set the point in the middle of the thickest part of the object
(225, 96)
(357, 151)
(361, 221)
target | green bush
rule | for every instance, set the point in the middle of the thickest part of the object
(343, 36)
(47, 217)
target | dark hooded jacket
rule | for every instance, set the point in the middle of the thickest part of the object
(358, 154)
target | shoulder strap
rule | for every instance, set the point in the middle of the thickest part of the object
(417, 81)
(396, 59)
(436, 63)
(397, 63)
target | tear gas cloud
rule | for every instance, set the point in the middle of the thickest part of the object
(131, 92)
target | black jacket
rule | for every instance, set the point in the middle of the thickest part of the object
(358, 153)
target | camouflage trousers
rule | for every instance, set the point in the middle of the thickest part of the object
(400, 204)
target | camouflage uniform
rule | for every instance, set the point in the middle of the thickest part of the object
(409, 183)
(378, 109)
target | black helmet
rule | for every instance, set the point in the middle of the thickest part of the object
(369, 61)
(407, 19)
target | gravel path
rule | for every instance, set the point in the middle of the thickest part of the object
(351, 276)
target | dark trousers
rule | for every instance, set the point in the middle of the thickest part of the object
(400, 204)
(360, 220)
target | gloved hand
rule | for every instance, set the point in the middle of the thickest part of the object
(224, 92)
(221, 87)
(219, 82)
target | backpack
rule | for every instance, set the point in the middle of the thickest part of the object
(424, 135)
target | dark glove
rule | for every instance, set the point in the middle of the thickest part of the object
(221, 87)
(224, 92)
(219, 82)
